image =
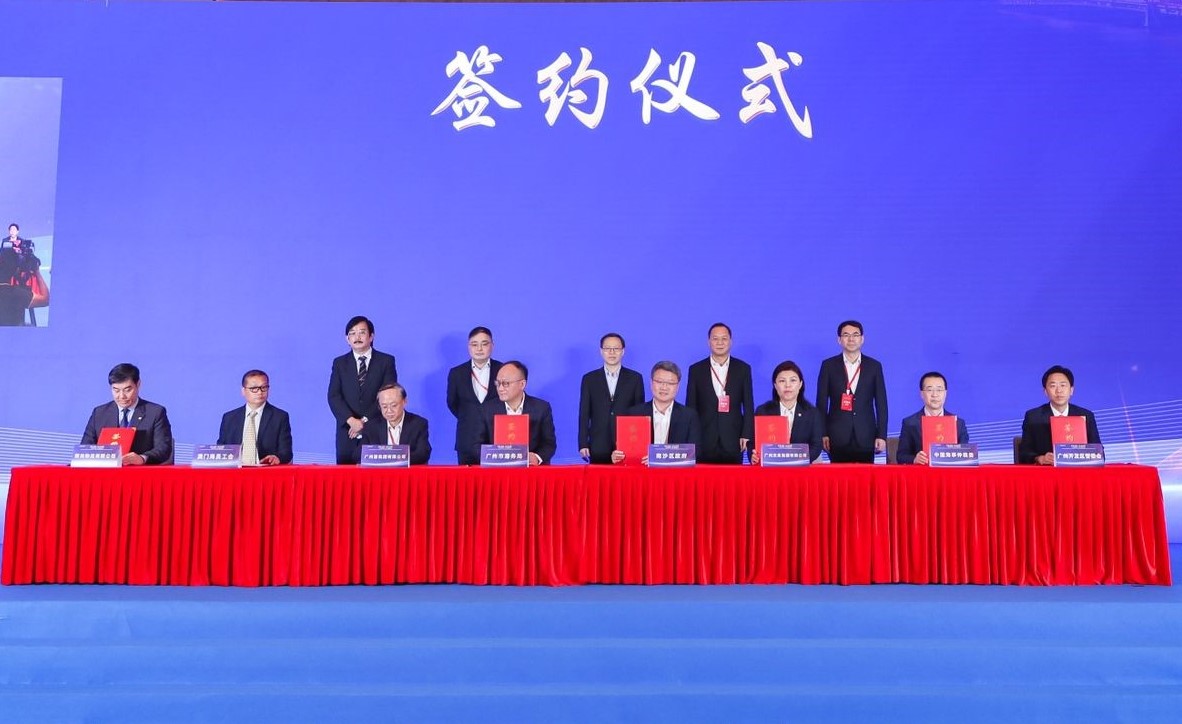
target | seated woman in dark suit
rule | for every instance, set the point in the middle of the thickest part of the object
(788, 400)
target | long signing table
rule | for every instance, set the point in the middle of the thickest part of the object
(845, 524)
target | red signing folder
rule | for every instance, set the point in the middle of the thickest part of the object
(1069, 429)
(511, 430)
(121, 436)
(940, 430)
(634, 433)
(770, 430)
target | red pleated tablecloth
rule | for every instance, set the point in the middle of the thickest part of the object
(843, 524)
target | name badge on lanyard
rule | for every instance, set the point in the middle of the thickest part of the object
(724, 400)
(847, 399)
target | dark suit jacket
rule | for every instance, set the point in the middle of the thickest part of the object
(348, 399)
(911, 437)
(541, 426)
(153, 433)
(465, 405)
(684, 425)
(721, 431)
(868, 421)
(806, 426)
(1036, 430)
(414, 434)
(598, 410)
(274, 432)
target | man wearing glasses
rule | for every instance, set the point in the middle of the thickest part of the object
(606, 392)
(933, 390)
(263, 430)
(468, 386)
(851, 395)
(512, 400)
(672, 423)
(353, 386)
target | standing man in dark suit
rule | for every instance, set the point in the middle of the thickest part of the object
(605, 393)
(1059, 385)
(353, 386)
(672, 423)
(468, 386)
(804, 422)
(851, 395)
(719, 391)
(933, 390)
(397, 426)
(152, 444)
(263, 430)
(512, 400)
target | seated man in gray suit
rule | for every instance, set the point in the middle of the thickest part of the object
(263, 430)
(152, 444)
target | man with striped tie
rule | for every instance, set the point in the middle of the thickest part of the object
(263, 430)
(353, 386)
(152, 444)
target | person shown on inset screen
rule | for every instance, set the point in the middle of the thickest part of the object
(25, 272)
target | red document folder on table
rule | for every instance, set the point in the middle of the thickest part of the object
(121, 436)
(770, 430)
(939, 429)
(1069, 429)
(634, 433)
(511, 430)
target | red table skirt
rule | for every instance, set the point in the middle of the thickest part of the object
(846, 524)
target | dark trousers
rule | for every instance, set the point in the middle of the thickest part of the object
(850, 453)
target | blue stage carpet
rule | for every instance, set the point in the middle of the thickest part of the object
(598, 653)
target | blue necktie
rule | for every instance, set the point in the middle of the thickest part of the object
(126, 416)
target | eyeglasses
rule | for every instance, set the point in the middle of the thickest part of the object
(851, 335)
(358, 333)
(502, 384)
(612, 349)
(258, 388)
(390, 406)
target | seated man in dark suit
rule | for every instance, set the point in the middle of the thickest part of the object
(512, 400)
(468, 386)
(353, 386)
(933, 390)
(852, 398)
(152, 444)
(263, 430)
(604, 393)
(672, 422)
(397, 426)
(1059, 385)
(804, 422)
